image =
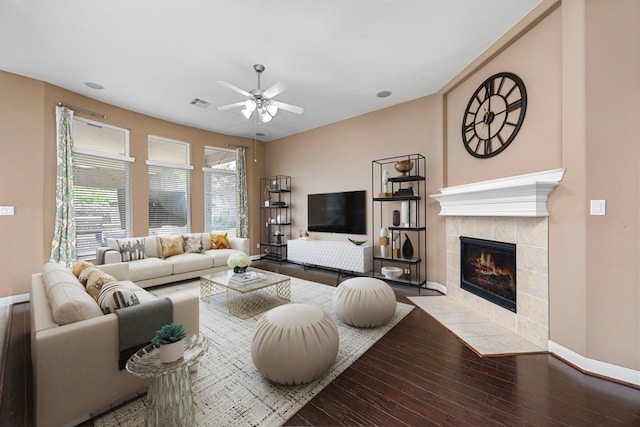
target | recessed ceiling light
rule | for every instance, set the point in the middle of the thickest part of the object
(93, 85)
(383, 94)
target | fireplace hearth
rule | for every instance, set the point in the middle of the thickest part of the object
(488, 270)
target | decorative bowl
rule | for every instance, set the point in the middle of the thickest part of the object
(356, 242)
(404, 166)
(391, 272)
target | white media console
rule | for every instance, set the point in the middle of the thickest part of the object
(341, 256)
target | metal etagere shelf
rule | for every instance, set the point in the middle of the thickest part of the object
(275, 217)
(399, 218)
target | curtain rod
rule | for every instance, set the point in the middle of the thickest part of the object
(93, 113)
(236, 146)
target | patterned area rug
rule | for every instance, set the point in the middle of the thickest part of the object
(228, 390)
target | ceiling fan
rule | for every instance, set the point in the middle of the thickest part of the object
(260, 101)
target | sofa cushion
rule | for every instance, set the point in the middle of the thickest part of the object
(206, 241)
(219, 241)
(79, 266)
(190, 262)
(68, 300)
(152, 246)
(170, 246)
(131, 249)
(149, 268)
(220, 256)
(54, 273)
(94, 279)
(143, 295)
(113, 296)
(192, 243)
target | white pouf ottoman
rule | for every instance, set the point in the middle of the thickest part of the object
(294, 343)
(364, 302)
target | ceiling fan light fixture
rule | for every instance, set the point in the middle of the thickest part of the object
(272, 109)
(266, 117)
(250, 105)
(246, 113)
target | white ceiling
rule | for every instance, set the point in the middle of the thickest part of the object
(156, 56)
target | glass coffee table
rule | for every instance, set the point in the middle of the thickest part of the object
(261, 290)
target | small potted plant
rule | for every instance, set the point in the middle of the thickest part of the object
(239, 262)
(170, 339)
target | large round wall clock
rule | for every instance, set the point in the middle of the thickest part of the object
(494, 115)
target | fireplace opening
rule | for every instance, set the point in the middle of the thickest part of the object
(488, 270)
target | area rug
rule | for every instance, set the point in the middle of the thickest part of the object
(477, 332)
(228, 390)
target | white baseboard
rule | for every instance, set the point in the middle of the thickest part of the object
(437, 287)
(6, 301)
(595, 366)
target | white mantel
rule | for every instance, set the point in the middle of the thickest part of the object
(518, 196)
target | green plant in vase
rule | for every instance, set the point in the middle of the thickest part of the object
(170, 338)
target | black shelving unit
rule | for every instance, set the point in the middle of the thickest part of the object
(394, 184)
(275, 217)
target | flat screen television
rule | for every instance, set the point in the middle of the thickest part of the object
(344, 212)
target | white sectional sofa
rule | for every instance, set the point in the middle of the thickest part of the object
(75, 347)
(155, 269)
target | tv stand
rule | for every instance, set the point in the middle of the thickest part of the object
(339, 256)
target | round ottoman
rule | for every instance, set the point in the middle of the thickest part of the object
(294, 343)
(364, 302)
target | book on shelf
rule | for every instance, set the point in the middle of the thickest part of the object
(247, 277)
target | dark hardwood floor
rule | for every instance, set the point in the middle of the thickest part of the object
(418, 374)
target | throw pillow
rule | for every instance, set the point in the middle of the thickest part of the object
(171, 246)
(192, 243)
(114, 296)
(219, 241)
(81, 265)
(131, 249)
(96, 280)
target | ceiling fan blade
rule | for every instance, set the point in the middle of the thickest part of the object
(230, 106)
(235, 88)
(274, 90)
(288, 107)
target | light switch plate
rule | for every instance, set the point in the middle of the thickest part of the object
(598, 207)
(6, 210)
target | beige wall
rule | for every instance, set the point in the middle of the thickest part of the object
(22, 177)
(28, 165)
(338, 158)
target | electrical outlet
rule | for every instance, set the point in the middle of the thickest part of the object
(257, 245)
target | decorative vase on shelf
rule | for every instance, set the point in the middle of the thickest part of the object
(238, 270)
(407, 248)
(396, 218)
(404, 214)
(169, 353)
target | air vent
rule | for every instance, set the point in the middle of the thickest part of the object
(199, 102)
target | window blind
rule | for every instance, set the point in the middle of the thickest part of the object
(169, 200)
(102, 199)
(220, 201)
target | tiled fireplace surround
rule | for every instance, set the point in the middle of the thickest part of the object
(511, 210)
(531, 321)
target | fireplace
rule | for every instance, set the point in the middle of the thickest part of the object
(488, 270)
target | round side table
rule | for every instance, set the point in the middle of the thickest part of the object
(169, 397)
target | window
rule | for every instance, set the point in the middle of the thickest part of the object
(220, 182)
(102, 184)
(169, 187)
